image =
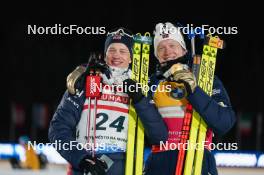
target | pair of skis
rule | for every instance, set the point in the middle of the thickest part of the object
(135, 138)
(194, 128)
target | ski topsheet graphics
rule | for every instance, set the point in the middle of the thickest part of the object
(140, 66)
(194, 157)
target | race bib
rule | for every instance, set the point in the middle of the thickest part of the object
(173, 117)
(111, 124)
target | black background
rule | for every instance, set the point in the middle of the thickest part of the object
(34, 67)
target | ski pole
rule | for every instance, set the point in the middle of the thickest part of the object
(88, 126)
(92, 92)
(88, 118)
(184, 138)
(188, 114)
(95, 111)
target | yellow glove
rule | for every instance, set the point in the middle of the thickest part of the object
(186, 77)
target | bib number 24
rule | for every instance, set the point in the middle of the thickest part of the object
(118, 123)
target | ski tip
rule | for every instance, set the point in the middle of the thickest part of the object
(146, 39)
(215, 41)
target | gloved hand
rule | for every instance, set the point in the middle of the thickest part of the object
(95, 166)
(187, 78)
(133, 90)
(76, 79)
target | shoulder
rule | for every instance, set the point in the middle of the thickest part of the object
(218, 86)
(75, 101)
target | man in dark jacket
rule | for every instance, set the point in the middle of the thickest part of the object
(71, 123)
(170, 50)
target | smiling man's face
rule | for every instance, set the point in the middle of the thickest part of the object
(169, 50)
(118, 55)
